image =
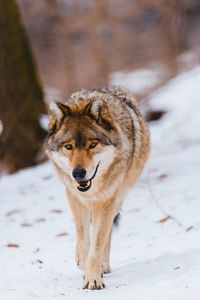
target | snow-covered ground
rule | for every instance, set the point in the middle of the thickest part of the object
(152, 257)
(141, 80)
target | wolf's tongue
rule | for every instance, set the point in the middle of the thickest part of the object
(82, 183)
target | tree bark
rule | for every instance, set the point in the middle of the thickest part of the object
(21, 95)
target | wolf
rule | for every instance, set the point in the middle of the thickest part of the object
(98, 143)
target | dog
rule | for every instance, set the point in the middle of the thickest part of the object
(98, 143)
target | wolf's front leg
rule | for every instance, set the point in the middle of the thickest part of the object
(105, 264)
(102, 219)
(82, 222)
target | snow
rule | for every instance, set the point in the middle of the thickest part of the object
(139, 81)
(149, 259)
(44, 121)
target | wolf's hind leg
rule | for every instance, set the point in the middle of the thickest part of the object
(82, 222)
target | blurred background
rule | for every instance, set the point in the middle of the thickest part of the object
(51, 48)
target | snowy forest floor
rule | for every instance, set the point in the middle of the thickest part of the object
(155, 252)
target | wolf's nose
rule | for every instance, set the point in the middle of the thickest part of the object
(79, 173)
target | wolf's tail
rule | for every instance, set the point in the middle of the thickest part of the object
(116, 220)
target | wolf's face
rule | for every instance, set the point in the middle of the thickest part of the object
(82, 141)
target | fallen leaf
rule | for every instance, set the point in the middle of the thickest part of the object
(189, 228)
(62, 234)
(12, 212)
(12, 245)
(39, 261)
(165, 219)
(56, 211)
(26, 225)
(162, 176)
(40, 220)
(47, 177)
(36, 250)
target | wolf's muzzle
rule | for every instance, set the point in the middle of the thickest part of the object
(79, 175)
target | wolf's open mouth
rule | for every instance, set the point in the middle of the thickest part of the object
(85, 185)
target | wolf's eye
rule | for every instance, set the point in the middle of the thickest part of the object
(92, 145)
(68, 146)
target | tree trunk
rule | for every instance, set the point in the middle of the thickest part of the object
(21, 95)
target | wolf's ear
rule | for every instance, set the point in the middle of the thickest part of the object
(57, 111)
(98, 110)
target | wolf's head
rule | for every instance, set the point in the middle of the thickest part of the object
(82, 141)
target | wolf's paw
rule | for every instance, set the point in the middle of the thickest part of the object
(105, 266)
(93, 284)
(81, 255)
(80, 262)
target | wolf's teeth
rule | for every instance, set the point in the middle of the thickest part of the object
(83, 184)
